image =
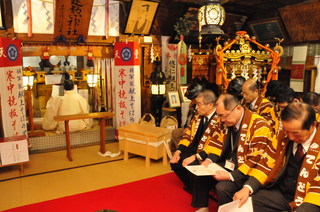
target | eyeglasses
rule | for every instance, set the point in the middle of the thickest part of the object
(225, 116)
(199, 104)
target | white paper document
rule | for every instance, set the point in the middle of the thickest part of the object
(233, 206)
(55, 90)
(53, 79)
(201, 170)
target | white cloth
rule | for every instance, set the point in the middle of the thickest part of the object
(70, 104)
(211, 114)
(252, 104)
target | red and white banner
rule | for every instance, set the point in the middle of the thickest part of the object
(11, 88)
(182, 62)
(127, 83)
(298, 67)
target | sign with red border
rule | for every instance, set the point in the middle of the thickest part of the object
(10, 52)
(127, 53)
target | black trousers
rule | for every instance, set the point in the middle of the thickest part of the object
(202, 185)
(184, 175)
(225, 191)
(270, 200)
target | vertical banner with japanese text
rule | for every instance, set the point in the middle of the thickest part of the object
(169, 62)
(11, 88)
(127, 82)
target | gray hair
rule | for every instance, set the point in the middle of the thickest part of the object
(208, 97)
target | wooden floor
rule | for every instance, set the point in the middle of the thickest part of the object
(50, 175)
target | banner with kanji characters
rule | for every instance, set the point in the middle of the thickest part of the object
(72, 18)
(11, 88)
(127, 83)
(169, 62)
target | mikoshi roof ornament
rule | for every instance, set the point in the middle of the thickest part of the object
(237, 57)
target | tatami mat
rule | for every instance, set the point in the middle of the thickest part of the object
(52, 161)
(50, 175)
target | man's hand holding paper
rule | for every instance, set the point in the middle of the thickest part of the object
(201, 170)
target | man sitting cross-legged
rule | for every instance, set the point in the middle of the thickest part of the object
(243, 143)
(295, 179)
(190, 148)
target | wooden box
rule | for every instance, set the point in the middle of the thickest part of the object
(144, 140)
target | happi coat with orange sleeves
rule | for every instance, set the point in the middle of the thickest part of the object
(308, 182)
(191, 131)
(256, 147)
(266, 109)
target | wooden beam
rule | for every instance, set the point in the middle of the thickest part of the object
(49, 39)
(97, 51)
(8, 22)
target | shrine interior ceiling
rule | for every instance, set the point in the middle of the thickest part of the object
(289, 17)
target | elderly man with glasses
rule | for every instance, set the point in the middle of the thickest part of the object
(196, 136)
(243, 143)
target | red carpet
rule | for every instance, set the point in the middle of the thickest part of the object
(157, 194)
